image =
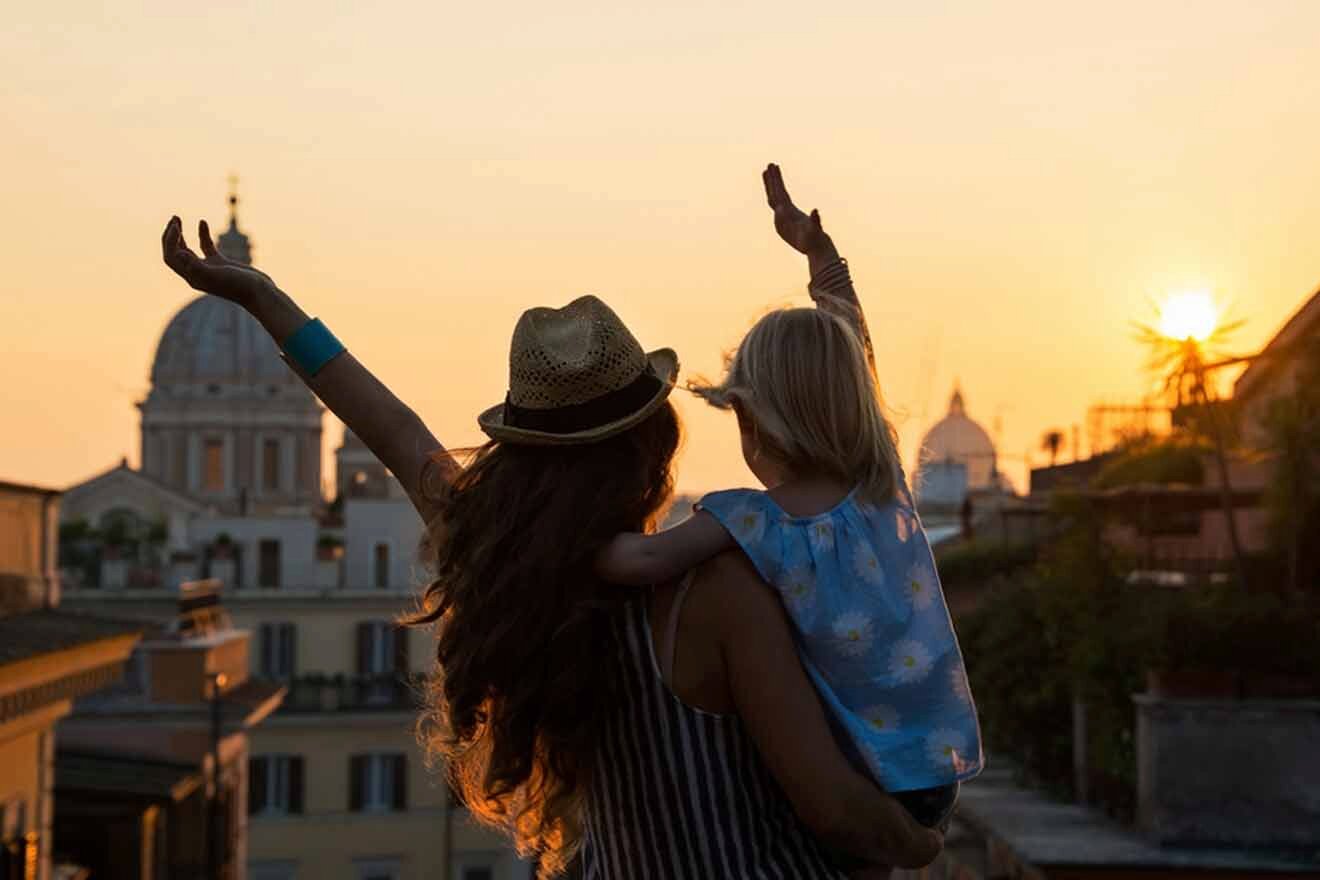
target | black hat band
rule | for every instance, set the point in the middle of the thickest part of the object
(574, 418)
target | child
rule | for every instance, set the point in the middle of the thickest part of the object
(836, 534)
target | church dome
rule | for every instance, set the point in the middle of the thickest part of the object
(213, 341)
(957, 438)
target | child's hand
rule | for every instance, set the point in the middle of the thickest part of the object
(802, 231)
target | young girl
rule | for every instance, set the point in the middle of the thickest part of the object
(836, 534)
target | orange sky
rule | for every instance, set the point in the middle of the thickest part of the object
(1012, 183)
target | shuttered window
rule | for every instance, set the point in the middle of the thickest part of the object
(277, 651)
(382, 649)
(268, 563)
(275, 784)
(378, 782)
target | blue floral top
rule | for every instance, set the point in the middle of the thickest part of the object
(860, 584)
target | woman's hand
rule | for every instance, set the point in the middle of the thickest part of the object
(802, 231)
(391, 430)
(215, 273)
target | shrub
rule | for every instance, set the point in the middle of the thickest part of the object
(1164, 462)
(973, 563)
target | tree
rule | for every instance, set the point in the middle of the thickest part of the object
(1184, 370)
(1293, 425)
(1051, 442)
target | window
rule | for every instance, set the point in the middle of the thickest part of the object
(476, 866)
(277, 645)
(179, 460)
(213, 466)
(270, 464)
(377, 782)
(380, 565)
(13, 847)
(275, 784)
(382, 660)
(272, 870)
(382, 649)
(268, 563)
(378, 869)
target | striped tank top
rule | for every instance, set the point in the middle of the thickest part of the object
(680, 793)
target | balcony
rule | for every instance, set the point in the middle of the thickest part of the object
(314, 694)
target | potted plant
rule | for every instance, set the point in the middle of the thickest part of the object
(329, 548)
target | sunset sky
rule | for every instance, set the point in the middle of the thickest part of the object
(1013, 184)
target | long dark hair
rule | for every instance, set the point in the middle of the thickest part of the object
(523, 641)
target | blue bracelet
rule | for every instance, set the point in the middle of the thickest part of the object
(312, 346)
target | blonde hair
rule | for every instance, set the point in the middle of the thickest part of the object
(802, 377)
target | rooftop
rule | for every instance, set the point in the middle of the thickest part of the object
(47, 631)
(1045, 833)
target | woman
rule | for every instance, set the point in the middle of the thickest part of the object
(548, 705)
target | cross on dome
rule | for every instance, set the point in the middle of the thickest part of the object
(233, 243)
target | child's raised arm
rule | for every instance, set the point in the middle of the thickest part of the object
(831, 285)
(638, 560)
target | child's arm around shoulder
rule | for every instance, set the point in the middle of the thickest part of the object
(638, 560)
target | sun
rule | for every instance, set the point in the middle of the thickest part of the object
(1190, 315)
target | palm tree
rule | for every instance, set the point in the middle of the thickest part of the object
(1183, 367)
(1051, 442)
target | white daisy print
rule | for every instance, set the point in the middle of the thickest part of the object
(867, 565)
(747, 524)
(920, 587)
(881, 718)
(854, 633)
(822, 535)
(958, 683)
(798, 588)
(947, 747)
(909, 661)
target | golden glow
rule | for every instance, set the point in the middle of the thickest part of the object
(1004, 206)
(1190, 315)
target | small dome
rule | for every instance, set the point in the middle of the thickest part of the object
(214, 341)
(959, 439)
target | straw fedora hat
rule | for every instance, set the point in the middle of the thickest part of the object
(577, 375)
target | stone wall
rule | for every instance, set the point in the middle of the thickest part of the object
(1229, 772)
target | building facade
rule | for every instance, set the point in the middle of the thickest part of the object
(229, 489)
(48, 658)
(151, 773)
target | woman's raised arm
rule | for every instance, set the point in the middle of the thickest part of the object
(831, 284)
(388, 427)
